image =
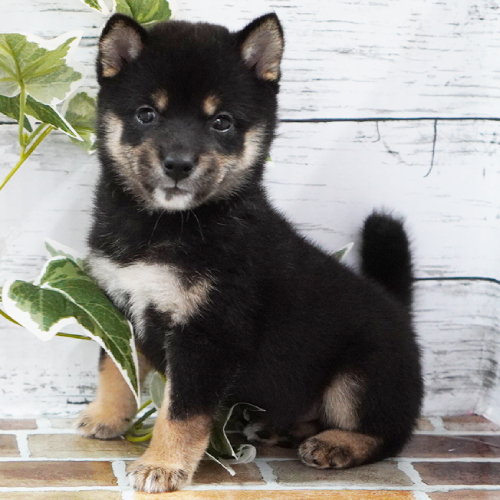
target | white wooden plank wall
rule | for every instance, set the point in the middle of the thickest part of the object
(384, 104)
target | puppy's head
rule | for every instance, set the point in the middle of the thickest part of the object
(187, 111)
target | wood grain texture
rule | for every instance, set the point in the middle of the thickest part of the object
(347, 59)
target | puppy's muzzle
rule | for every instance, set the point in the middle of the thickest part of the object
(178, 166)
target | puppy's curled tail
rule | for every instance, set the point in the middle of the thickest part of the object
(386, 256)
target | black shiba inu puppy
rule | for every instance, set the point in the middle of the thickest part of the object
(226, 298)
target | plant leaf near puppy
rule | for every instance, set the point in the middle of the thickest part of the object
(145, 12)
(341, 254)
(62, 295)
(44, 113)
(40, 68)
(80, 111)
(98, 5)
(38, 74)
(149, 12)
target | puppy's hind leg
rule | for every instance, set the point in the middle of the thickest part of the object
(114, 407)
(342, 445)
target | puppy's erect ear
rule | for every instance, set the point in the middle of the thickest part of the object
(261, 46)
(122, 40)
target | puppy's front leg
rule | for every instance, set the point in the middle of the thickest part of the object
(112, 411)
(176, 449)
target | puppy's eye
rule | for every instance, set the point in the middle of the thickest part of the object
(145, 114)
(222, 122)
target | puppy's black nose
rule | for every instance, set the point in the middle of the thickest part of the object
(178, 166)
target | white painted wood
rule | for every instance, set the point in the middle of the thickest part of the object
(458, 329)
(329, 176)
(343, 59)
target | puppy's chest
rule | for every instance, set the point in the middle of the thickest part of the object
(137, 287)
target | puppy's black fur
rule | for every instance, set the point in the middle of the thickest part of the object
(187, 113)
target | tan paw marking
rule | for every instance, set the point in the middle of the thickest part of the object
(335, 449)
(97, 424)
(157, 477)
(322, 455)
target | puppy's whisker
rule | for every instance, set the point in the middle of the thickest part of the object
(199, 225)
(155, 226)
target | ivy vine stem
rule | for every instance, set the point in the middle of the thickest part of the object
(22, 108)
(35, 133)
(60, 334)
(73, 336)
(43, 131)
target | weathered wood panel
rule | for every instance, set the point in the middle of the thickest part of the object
(344, 59)
(457, 322)
(329, 176)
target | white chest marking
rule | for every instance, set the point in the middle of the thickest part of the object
(142, 285)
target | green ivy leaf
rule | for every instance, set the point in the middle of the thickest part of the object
(220, 448)
(47, 114)
(64, 294)
(41, 66)
(143, 12)
(98, 5)
(9, 106)
(43, 112)
(80, 112)
(343, 252)
(157, 389)
(56, 249)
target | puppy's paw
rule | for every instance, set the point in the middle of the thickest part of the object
(157, 477)
(320, 454)
(337, 449)
(96, 423)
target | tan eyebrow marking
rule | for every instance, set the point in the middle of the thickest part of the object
(211, 104)
(160, 98)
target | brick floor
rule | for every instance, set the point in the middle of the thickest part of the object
(469, 423)
(466, 495)
(280, 495)
(8, 446)
(61, 495)
(422, 446)
(294, 473)
(438, 458)
(74, 446)
(466, 473)
(44, 474)
(209, 472)
(16, 424)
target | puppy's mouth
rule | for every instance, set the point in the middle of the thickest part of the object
(172, 198)
(173, 191)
